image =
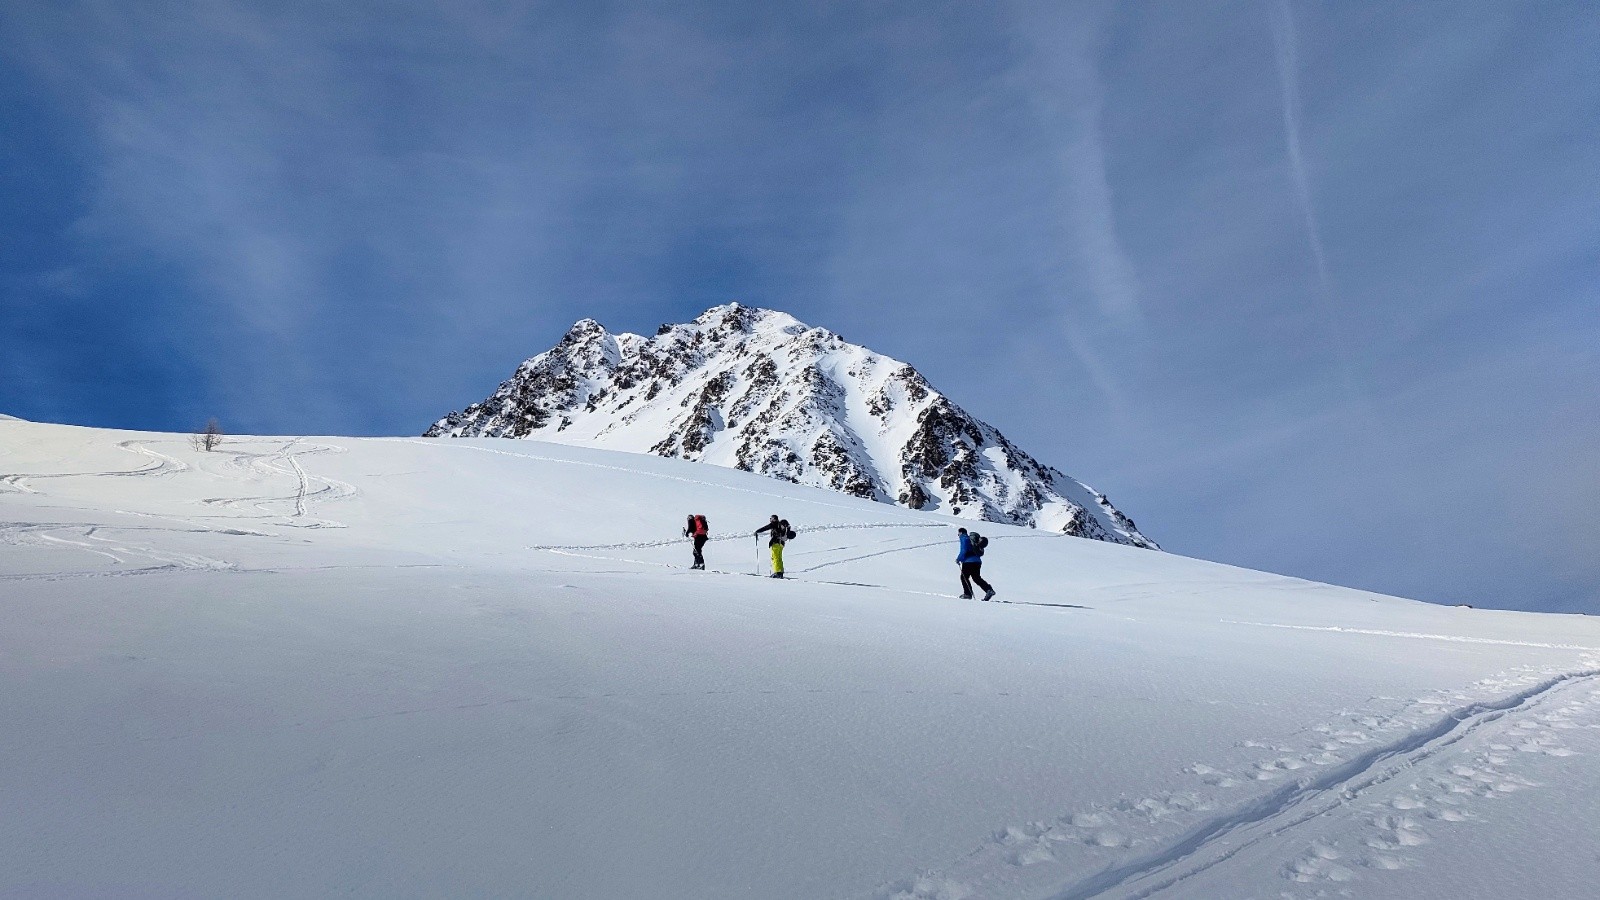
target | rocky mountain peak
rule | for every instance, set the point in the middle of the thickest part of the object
(757, 389)
(736, 317)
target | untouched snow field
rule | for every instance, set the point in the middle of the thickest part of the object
(444, 668)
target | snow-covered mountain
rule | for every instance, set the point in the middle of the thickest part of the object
(757, 390)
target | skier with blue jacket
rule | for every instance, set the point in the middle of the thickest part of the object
(971, 560)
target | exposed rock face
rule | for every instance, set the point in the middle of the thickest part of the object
(755, 389)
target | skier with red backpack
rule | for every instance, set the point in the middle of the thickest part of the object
(696, 528)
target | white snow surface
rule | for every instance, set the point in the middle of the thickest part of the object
(758, 390)
(306, 666)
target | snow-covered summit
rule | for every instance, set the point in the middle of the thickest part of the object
(759, 390)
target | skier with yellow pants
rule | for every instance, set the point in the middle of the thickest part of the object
(780, 534)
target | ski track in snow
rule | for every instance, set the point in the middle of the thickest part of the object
(595, 552)
(1453, 638)
(127, 556)
(160, 464)
(1376, 786)
(130, 558)
(286, 509)
(645, 545)
(575, 553)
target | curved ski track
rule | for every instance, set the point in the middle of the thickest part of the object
(129, 557)
(160, 464)
(283, 462)
(1186, 835)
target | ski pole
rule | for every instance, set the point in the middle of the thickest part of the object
(756, 568)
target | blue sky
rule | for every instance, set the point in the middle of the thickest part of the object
(1306, 287)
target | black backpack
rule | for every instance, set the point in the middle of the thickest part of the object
(977, 543)
(788, 530)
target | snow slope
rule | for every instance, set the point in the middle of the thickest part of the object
(757, 390)
(408, 667)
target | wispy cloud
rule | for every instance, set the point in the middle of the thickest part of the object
(1286, 41)
(1065, 89)
(1094, 300)
(1111, 277)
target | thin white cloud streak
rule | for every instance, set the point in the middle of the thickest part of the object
(1061, 72)
(1286, 42)
(1111, 276)
(1100, 374)
(1284, 38)
(1070, 98)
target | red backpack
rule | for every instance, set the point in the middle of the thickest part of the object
(700, 526)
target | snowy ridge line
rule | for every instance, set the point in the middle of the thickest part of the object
(446, 443)
(1416, 635)
(1280, 811)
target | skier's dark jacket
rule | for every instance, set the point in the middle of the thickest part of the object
(779, 529)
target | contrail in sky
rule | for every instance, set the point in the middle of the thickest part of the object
(1069, 99)
(1283, 34)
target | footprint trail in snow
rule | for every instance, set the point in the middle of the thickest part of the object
(1349, 800)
